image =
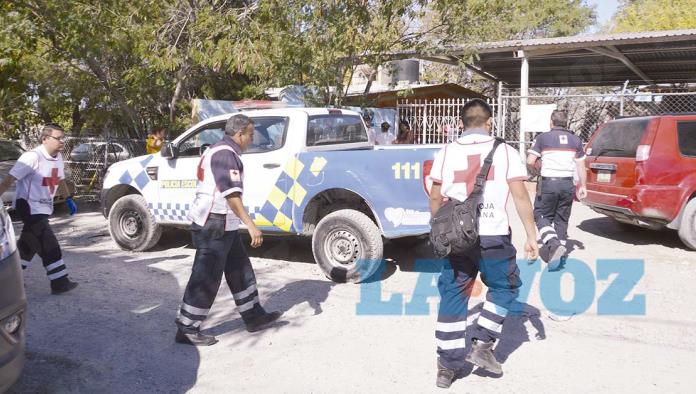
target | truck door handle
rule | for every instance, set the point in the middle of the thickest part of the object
(271, 165)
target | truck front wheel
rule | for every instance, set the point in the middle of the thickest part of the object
(687, 228)
(347, 245)
(131, 224)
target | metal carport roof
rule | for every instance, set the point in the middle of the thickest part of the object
(592, 60)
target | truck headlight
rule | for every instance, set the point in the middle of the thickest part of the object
(8, 242)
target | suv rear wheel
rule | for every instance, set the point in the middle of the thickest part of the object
(687, 228)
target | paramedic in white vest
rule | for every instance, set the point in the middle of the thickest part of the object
(454, 174)
(216, 213)
(39, 174)
(562, 156)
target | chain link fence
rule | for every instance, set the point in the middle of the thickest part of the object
(87, 158)
(587, 112)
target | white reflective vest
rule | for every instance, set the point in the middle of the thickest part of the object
(38, 175)
(208, 198)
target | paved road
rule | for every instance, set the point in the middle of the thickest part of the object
(114, 333)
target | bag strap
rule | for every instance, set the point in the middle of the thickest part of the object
(485, 168)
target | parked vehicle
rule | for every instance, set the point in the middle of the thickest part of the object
(642, 171)
(9, 154)
(309, 171)
(94, 152)
(13, 305)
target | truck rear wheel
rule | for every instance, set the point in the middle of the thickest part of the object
(131, 224)
(347, 245)
(687, 228)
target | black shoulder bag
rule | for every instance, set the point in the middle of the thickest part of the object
(455, 226)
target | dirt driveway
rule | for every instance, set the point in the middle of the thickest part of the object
(115, 332)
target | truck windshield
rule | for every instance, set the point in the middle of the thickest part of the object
(335, 129)
(619, 138)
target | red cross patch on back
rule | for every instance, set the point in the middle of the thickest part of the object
(468, 176)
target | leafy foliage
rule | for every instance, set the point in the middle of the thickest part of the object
(651, 15)
(124, 66)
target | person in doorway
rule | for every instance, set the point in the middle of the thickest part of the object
(383, 137)
(405, 135)
(39, 174)
(216, 214)
(454, 173)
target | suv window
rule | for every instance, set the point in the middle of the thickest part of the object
(619, 138)
(335, 129)
(686, 135)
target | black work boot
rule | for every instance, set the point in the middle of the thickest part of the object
(62, 285)
(445, 376)
(481, 355)
(556, 253)
(260, 322)
(194, 338)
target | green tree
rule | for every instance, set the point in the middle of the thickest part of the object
(474, 21)
(124, 66)
(71, 48)
(180, 40)
(651, 15)
(113, 65)
(315, 43)
(470, 22)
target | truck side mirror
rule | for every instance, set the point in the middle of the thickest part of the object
(169, 151)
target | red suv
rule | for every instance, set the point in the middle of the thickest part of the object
(642, 171)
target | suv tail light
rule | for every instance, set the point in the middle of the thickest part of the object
(642, 152)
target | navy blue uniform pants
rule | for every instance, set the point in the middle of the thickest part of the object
(496, 261)
(218, 252)
(38, 238)
(552, 207)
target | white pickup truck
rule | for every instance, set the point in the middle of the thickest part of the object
(309, 171)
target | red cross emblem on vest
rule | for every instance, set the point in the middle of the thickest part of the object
(51, 181)
(468, 176)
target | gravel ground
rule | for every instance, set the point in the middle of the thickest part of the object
(115, 332)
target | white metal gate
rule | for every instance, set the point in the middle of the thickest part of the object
(435, 121)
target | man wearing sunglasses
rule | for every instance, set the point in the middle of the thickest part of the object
(39, 174)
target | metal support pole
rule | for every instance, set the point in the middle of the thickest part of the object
(524, 92)
(623, 92)
(499, 109)
(425, 123)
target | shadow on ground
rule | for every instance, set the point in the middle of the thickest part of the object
(513, 336)
(312, 292)
(611, 229)
(114, 333)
